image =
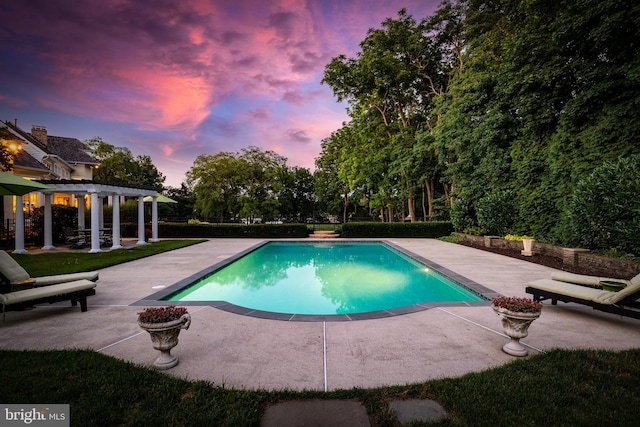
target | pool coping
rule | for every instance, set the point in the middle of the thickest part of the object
(156, 299)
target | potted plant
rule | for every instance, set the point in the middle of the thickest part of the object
(163, 325)
(527, 243)
(516, 315)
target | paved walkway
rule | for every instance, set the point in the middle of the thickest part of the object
(247, 352)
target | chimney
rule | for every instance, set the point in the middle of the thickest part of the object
(39, 133)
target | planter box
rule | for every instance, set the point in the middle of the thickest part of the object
(570, 256)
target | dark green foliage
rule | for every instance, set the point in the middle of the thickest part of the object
(396, 229)
(549, 90)
(496, 213)
(267, 231)
(463, 215)
(605, 207)
(62, 216)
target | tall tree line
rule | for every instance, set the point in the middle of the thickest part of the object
(522, 97)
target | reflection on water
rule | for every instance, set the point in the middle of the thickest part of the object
(324, 278)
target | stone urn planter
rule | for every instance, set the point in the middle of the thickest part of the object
(163, 325)
(516, 315)
(528, 247)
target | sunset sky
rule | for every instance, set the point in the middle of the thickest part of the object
(175, 79)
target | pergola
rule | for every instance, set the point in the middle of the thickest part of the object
(96, 190)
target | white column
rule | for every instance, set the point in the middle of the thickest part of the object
(19, 230)
(81, 222)
(115, 225)
(48, 223)
(95, 224)
(154, 220)
(141, 221)
(101, 202)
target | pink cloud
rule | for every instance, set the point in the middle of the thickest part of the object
(176, 66)
(14, 102)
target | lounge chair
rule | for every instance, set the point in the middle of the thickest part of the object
(76, 291)
(16, 278)
(583, 290)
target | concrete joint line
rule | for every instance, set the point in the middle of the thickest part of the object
(120, 341)
(486, 328)
(132, 336)
(324, 353)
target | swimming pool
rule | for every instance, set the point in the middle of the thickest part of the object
(306, 279)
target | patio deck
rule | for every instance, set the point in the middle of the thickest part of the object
(248, 352)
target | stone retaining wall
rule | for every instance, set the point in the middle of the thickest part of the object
(570, 256)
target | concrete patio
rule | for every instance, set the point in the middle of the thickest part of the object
(248, 352)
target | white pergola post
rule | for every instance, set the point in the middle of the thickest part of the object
(115, 225)
(95, 223)
(154, 220)
(101, 201)
(48, 223)
(81, 222)
(141, 221)
(19, 230)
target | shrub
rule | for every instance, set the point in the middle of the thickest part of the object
(604, 210)
(269, 231)
(463, 215)
(62, 216)
(433, 229)
(496, 212)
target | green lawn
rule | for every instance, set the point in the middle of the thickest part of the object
(49, 263)
(561, 387)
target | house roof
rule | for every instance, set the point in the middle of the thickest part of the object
(70, 150)
(27, 161)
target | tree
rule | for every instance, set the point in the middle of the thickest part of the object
(185, 199)
(331, 187)
(216, 183)
(547, 92)
(117, 164)
(391, 85)
(6, 154)
(247, 184)
(297, 196)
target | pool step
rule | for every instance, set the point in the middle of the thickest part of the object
(322, 234)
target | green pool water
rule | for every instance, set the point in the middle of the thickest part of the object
(323, 279)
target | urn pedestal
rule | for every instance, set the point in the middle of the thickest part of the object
(515, 326)
(164, 336)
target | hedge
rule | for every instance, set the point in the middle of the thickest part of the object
(433, 229)
(270, 231)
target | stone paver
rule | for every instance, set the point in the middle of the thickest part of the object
(316, 413)
(424, 410)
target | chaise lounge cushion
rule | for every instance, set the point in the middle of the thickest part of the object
(586, 293)
(571, 290)
(582, 279)
(44, 292)
(15, 274)
(63, 278)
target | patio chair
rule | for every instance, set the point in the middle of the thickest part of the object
(73, 239)
(76, 291)
(624, 302)
(15, 278)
